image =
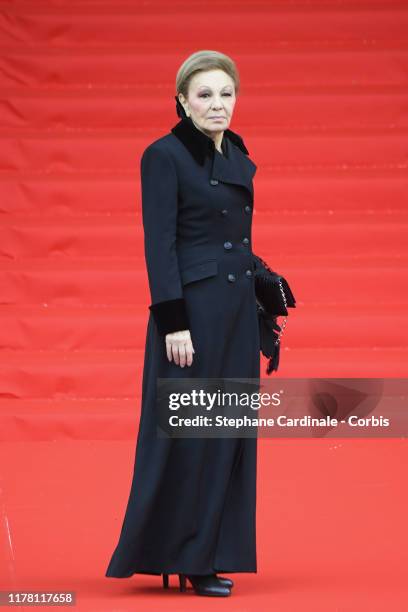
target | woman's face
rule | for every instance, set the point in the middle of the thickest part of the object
(211, 100)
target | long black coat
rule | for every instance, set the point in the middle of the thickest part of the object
(192, 503)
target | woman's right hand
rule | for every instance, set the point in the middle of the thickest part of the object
(179, 347)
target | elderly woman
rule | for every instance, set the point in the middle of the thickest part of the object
(191, 508)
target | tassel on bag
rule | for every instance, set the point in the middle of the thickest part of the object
(274, 297)
(270, 340)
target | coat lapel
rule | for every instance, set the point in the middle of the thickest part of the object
(235, 167)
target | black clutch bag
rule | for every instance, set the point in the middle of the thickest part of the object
(273, 297)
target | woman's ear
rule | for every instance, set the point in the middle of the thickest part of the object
(180, 109)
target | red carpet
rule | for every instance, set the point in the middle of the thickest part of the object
(86, 85)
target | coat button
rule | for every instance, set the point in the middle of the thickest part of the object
(231, 278)
(247, 209)
(245, 241)
(248, 273)
(213, 182)
(224, 212)
(227, 245)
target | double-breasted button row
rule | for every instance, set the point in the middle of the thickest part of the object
(224, 211)
(232, 278)
(228, 244)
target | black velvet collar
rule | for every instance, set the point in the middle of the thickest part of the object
(199, 144)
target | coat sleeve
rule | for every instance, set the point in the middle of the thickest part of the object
(159, 211)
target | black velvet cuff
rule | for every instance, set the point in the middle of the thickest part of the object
(170, 316)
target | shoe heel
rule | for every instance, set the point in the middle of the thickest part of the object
(165, 581)
(182, 581)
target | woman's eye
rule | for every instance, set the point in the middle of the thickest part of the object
(206, 94)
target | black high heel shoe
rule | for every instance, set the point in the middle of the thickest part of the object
(203, 585)
(225, 581)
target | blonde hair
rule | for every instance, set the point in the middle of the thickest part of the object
(201, 61)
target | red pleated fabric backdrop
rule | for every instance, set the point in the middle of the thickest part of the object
(323, 109)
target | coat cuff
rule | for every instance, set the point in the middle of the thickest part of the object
(170, 316)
